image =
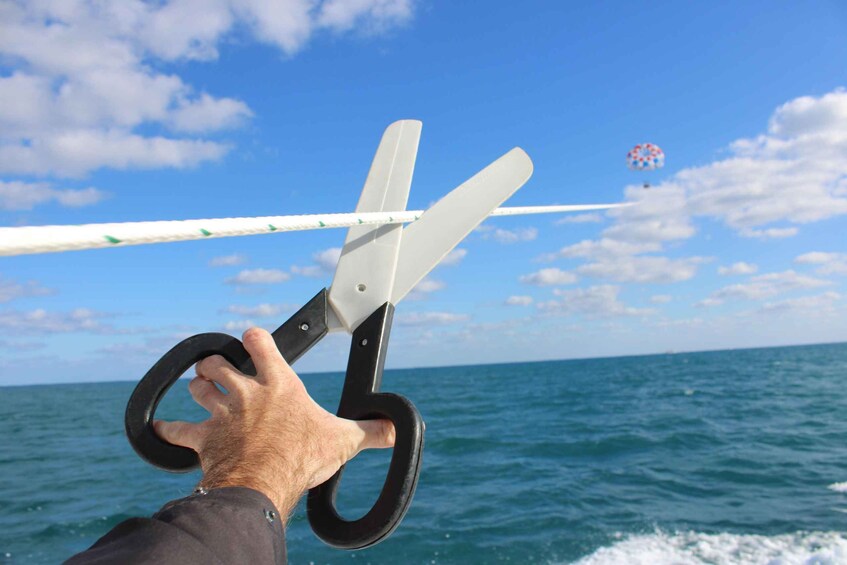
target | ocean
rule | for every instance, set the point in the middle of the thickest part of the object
(717, 457)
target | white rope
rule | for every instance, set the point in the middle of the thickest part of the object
(49, 239)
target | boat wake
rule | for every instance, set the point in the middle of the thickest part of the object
(692, 548)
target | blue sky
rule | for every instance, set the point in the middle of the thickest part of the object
(170, 111)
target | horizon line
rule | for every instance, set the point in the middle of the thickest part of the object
(560, 360)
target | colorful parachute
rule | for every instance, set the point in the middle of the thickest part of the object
(645, 157)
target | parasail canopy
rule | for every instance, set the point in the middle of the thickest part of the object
(645, 157)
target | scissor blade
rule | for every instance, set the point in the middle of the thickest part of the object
(364, 276)
(428, 240)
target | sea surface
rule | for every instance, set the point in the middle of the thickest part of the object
(687, 458)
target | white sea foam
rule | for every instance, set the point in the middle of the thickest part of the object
(839, 487)
(692, 548)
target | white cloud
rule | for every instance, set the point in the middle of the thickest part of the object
(429, 318)
(770, 233)
(764, 286)
(41, 321)
(239, 325)
(454, 257)
(835, 268)
(261, 310)
(328, 258)
(521, 300)
(76, 152)
(661, 298)
(816, 304)
(17, 195)
(259, 276)
(325, 263)
(512, 236)
(144, 349)
(376, 16)
(686, 323)
(660, 214)
(773, 178)
(810, 115)
(739, 268)
(228, 260)
(817, 258)
(643, 269)
(830, 263)
(547, 277)
(88, 76)
(308, 271)
(424, 288)
(604, 248)
(11, 290)
(209, 114)
(580, 219)
(592, 302)
(428, 285)
(785, 281)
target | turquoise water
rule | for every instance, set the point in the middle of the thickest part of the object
(719, 457)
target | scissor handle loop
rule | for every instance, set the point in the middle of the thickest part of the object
(293, 338)
(155, 384)
(361, 400)
(397, 491)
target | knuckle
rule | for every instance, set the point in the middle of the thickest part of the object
(195, 384)
(222, 410)
(216, 361)
(208, 364)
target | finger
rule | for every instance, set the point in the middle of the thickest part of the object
(371, 434)
(217, 369)
(206, 394)
(185, 434)
(264, 352)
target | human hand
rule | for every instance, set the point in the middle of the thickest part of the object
(267, 433)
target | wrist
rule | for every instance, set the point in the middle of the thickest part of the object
(283, 493)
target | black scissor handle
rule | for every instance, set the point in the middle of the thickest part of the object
(361, 400)
(293, 338)
(156, 383)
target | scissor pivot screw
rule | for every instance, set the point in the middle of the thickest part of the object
(360, 287)
(304, 326)
(363, 343)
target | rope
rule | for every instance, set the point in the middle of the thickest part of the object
(51, 239)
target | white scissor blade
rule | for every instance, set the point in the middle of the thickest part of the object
(364, 276)
(428, 240)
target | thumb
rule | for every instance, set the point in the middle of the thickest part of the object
(372, 434)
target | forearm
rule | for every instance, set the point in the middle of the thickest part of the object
(225, 525)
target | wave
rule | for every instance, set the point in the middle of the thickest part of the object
(692, 548)
(839, 487)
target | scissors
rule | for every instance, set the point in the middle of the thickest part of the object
(378, 266)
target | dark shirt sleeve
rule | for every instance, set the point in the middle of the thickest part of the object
(223, 526)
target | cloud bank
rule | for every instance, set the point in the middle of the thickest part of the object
(90, 90)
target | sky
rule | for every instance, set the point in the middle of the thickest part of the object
(183, 109)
